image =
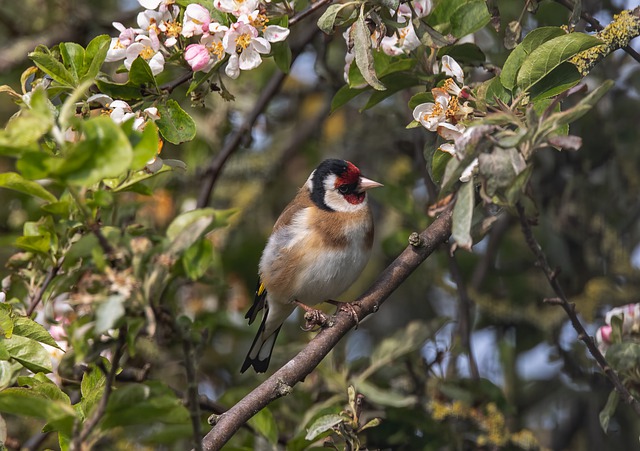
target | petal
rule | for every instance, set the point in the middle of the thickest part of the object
(452, 68)
(150, 4)
(261, 45)
(102, 99)
(449, 148)
(152, 113)
(422, 109)
(249, 59)
(232, 70)
(156, 63)
(467, 174)
(119, 104)
(276, 33)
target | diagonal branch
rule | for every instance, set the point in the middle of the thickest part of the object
(570, 309)
(282, 381)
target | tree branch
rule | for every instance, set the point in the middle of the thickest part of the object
(465, 313)
(51, 274)
(595, 23)
(91, 423)
(570, 309)
(192, 395)
(214, 169)
(282, 381)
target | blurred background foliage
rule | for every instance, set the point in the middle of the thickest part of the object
(533, 373)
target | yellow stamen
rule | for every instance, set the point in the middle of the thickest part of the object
(242, 42)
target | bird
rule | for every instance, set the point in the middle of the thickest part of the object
(319, 245)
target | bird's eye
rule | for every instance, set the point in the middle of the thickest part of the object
(344, 189)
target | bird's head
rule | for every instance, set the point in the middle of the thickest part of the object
(337, 185)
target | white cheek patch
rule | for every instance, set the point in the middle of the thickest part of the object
(309, 183)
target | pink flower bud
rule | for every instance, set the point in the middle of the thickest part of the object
(197, 56)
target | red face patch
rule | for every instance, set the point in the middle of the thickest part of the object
(351, 175)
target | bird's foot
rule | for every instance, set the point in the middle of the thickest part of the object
(314, 319)
(345, 307)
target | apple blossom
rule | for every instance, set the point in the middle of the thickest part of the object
(452, 68)
(245, 46)
(149, 50)
(196, 20)
(236, 7)
(118, 46)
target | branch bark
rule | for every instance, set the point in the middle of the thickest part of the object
(283, 380)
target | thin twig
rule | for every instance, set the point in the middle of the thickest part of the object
(465, 313)
(282, 381)
(214, 169)
(91, 423)
(310, 10)
(51, 274)
(192, 395)
(570, 310)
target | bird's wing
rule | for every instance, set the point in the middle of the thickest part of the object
(300, 202)
(258, 302)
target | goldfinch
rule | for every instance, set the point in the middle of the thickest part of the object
(318, 247)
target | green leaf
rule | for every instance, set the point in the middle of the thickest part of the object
(145, 145)
(141, 75)
(531, 42)
(94, 56)
(146, 403)
(16, 182)
(344, 95)
(108, 313)
(563, 118)
(264, 423)
(175, 125)
(394, 83)
(364, 57)
(328, 18)
(6, 320)
(383, 397)
(420, 98)
(105, 152)
(608, 410)
(29, 353)
(50, 65)
(26, 327)
(438, 164)
(466, 53)
(30, 403)
(469, 18)
(6, 374)
(550, 55)
(560, 79)
(323, 424)
(624, 357)
(463, 215)
(442, 13)
(91, 388)
(73, 58)
(123, 91)
(198, 258)
(189, 227)
(282, 55)
(40, 244)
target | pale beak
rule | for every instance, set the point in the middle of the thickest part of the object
(366, 184)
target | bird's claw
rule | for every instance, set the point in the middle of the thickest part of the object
(346, 307)
(314, 320)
